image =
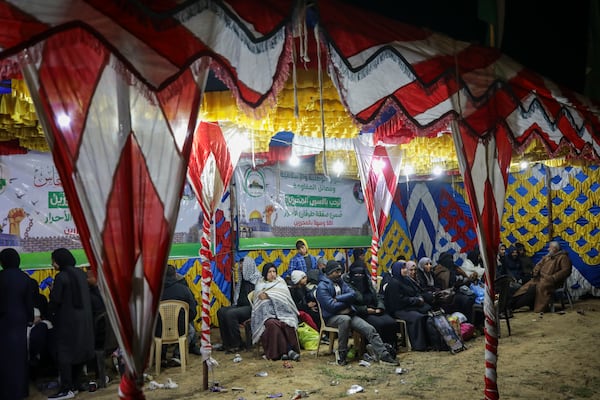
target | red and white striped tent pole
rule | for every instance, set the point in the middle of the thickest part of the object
(379, 167)
(484, 166)
(215, 152)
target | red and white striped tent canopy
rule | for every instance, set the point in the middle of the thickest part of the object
(117, 87)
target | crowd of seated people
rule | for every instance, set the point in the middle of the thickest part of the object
(347, 297)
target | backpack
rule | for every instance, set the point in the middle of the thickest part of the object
(448, 335)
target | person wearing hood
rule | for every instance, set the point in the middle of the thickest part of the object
(526, 263)
(16, 313)
(70, 309)
(302, 261)
(449, 275)
(370, 306)
(175, 287)
(473, 265)
(512, 264)
(548, 275)
(336, 299)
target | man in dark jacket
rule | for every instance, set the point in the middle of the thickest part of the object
(16, 312)
(336, 299)
(70, 311)
(176, 288)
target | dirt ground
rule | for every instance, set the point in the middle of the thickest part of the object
(553, 356)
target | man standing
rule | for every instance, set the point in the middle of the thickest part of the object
(336, 299)
(302, 261)
(548, 275)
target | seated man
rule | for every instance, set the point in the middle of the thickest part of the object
(240, 310)
(548, 275)
(336, 299)
(175, 288)
(526, 263)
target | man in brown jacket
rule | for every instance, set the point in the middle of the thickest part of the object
(548, 275)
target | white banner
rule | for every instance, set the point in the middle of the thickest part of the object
(33, 205)
(281, 203)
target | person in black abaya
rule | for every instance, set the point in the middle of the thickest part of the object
(406, 300)
(16, 313)
(70, 310)
(369, 306)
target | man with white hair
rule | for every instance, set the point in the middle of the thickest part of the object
(548, 275)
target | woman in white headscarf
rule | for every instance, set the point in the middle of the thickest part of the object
(275, 317)
(425, 275)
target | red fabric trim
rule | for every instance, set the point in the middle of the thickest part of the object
(11, 147)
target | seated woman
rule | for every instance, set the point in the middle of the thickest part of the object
(369, 306)
(274, 317)
(425, 275)
(406, 300)
(449, 275)
(473, 265)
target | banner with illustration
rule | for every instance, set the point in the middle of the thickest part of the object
(275, 207)
(35, 215)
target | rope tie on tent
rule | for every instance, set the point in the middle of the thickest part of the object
(320, 74)
(458, 86)
(295, 80)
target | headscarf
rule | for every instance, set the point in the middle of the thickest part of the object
(397, 268)
(409, 264)
(9, 258)
(473, 256)
(279, 305)
(65, 260)
(446, 259)
(359, 276)
(428, 275)
(266, 268)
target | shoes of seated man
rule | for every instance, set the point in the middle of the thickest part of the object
(218, 347)
(233, 350)
(387, 359)
(195, 350)
(293, 355)
(372, 353)
(340, 358)
(63, 394)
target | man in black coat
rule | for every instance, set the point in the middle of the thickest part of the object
(176, 288)
(16, 312)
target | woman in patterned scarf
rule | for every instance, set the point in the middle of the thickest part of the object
(275, 317)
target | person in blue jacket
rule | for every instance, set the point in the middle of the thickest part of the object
(302, 261)
(336, 299)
